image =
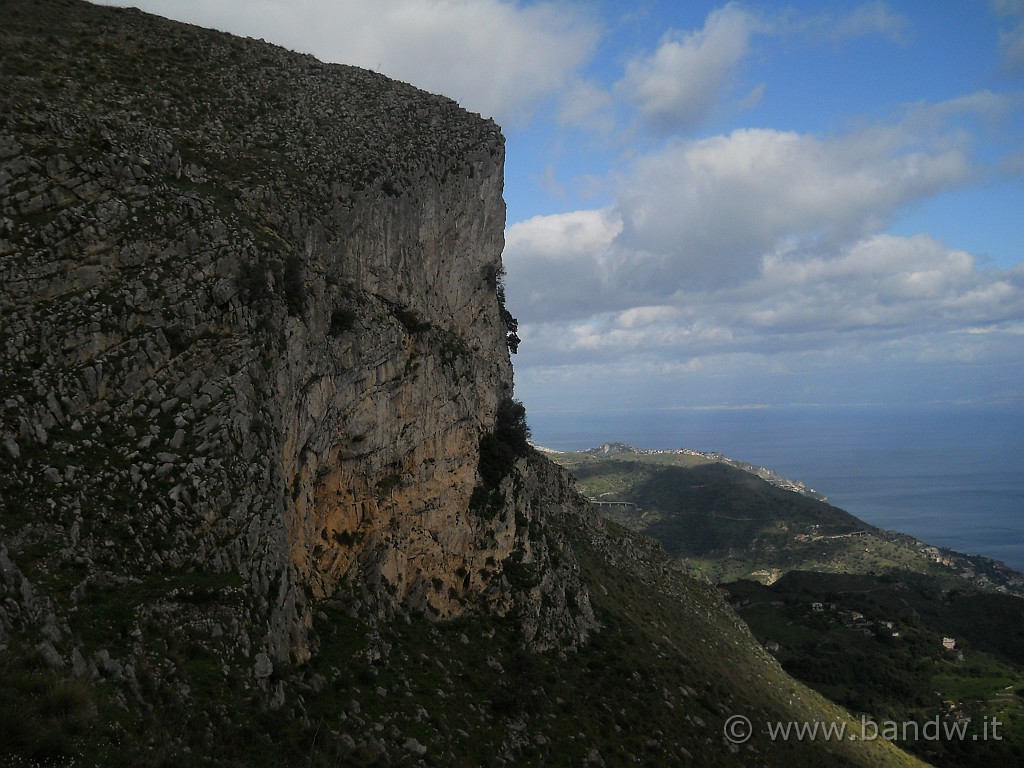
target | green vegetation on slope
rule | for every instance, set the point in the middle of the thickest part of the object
(857, 613)
(875, 645)
(725, 523)
(657, 685)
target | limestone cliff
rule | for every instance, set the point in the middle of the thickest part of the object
(265, 498)
(252, 334)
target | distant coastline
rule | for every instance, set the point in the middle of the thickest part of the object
(951, 477)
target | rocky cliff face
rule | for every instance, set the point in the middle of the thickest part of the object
(264, 497)
(252, 335)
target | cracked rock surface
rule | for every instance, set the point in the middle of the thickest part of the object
(252, 333)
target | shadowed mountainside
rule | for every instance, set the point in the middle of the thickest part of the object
(876, 620)
(726, 519)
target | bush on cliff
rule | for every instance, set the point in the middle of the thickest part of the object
(499, 450)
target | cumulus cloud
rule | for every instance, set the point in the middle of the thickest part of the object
(764, 245)
(562, 263)
(876, 291)
(586, 103)
(678, 84)
(714, 206)
(882, 283)
(496, 57)
(753, 207)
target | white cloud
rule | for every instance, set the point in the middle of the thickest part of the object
(903, 267)
(715, 206)
(643, 317)
(874, 291)
(559, 265)
(496, 57)
(679, 84)
(1011, 45)
(764, 250)
(749, 213)
(567, 234)
(586, 103)
(883, 284)
(684, 80)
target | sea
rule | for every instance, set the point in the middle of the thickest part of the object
(952, 476)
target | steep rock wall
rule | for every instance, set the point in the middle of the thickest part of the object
(251, 338)
(382, 419)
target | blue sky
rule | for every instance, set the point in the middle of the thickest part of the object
(729, 204)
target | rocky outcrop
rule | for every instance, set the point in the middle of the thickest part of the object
(252, 334)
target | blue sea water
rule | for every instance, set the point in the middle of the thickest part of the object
(950, 476)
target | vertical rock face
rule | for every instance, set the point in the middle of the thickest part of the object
(252, 333)
(384, 386)
(382, 420)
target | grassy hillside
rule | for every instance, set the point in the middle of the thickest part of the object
(876, 645)
(857, 613)
(726, 523)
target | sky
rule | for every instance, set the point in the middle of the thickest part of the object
(726, 205)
